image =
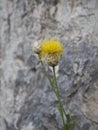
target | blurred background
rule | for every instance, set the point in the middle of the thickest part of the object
(27, 101)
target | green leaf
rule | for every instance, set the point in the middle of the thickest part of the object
(69, 126)
(68, 117)
(65, 127)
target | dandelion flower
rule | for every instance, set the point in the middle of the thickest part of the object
(51, 51)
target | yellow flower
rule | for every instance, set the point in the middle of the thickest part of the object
(51, 51)
(51, 47)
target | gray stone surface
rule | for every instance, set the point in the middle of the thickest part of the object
(27, 101)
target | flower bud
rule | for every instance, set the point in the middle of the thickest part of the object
(36, 47)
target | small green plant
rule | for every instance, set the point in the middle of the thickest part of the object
(51, 51)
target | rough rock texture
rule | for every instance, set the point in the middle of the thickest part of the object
(27, 101)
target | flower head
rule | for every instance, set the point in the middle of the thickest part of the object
(51, 47)
(51, 51)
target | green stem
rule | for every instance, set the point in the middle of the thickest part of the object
(58, 91)
(58, 97)
(55, 87)
(47, 74)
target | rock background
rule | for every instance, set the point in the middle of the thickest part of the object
(27, 101)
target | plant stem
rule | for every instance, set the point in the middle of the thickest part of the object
(54, 84)
(58, 97)
(47, 74)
